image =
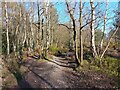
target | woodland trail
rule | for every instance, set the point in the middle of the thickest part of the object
(50, 74)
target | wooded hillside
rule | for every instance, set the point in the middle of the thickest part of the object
(80, 38)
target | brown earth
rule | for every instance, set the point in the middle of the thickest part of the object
(57, 74)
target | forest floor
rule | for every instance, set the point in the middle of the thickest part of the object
(56, 74)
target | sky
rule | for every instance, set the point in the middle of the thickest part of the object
(64, 16)
(54, 0)
(62, 12)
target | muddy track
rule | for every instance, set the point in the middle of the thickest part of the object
(52, 75)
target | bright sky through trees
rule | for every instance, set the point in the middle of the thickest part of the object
(64, 17)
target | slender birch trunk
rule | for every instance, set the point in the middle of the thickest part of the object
(39, 31)
(93, 47)
(47, 26)
(80, 33)
(107, 46)
(32, 35)
(7, 30)
(25, 33)
(104, 28)
(52, 35)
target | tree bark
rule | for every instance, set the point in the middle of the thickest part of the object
(42, 38)
(7, 30)
(107, 46)
(39, 31)
(32, 35)
(93, 47)
(104, 28)
(47, 26)
(74, 36)
(25, 33)
(80, 34)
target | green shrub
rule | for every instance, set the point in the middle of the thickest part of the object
(85, 64)
(96, 68)
(13, 66)
(53, 49)
(111, 65)
(63, 50)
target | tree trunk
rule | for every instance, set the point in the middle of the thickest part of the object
(7, 31)
(80, 34)
(47, 27)
(32, 36)
(75, 44)
(42, 38)
(25, 33)
(104, 28)
(93, 47)
(74, 37)
(71, 37)
(52, 35)
(107, 46)
(39, 33)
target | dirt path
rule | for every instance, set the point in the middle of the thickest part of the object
(52, 75)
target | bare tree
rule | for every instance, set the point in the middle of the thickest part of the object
(32, 31)
(105, 17)
(7, 29)
(93, 47)
(108, 45)
(75, 33)
(39, 29)
(80, 35)
(47, 26)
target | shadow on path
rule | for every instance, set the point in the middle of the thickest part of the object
(46, 81)
(24, 85)
(68, 66)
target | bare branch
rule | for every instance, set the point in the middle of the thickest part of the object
(108, 43)
(65, 26)
(83, 5)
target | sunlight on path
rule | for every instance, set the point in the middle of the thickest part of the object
(52, 75)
